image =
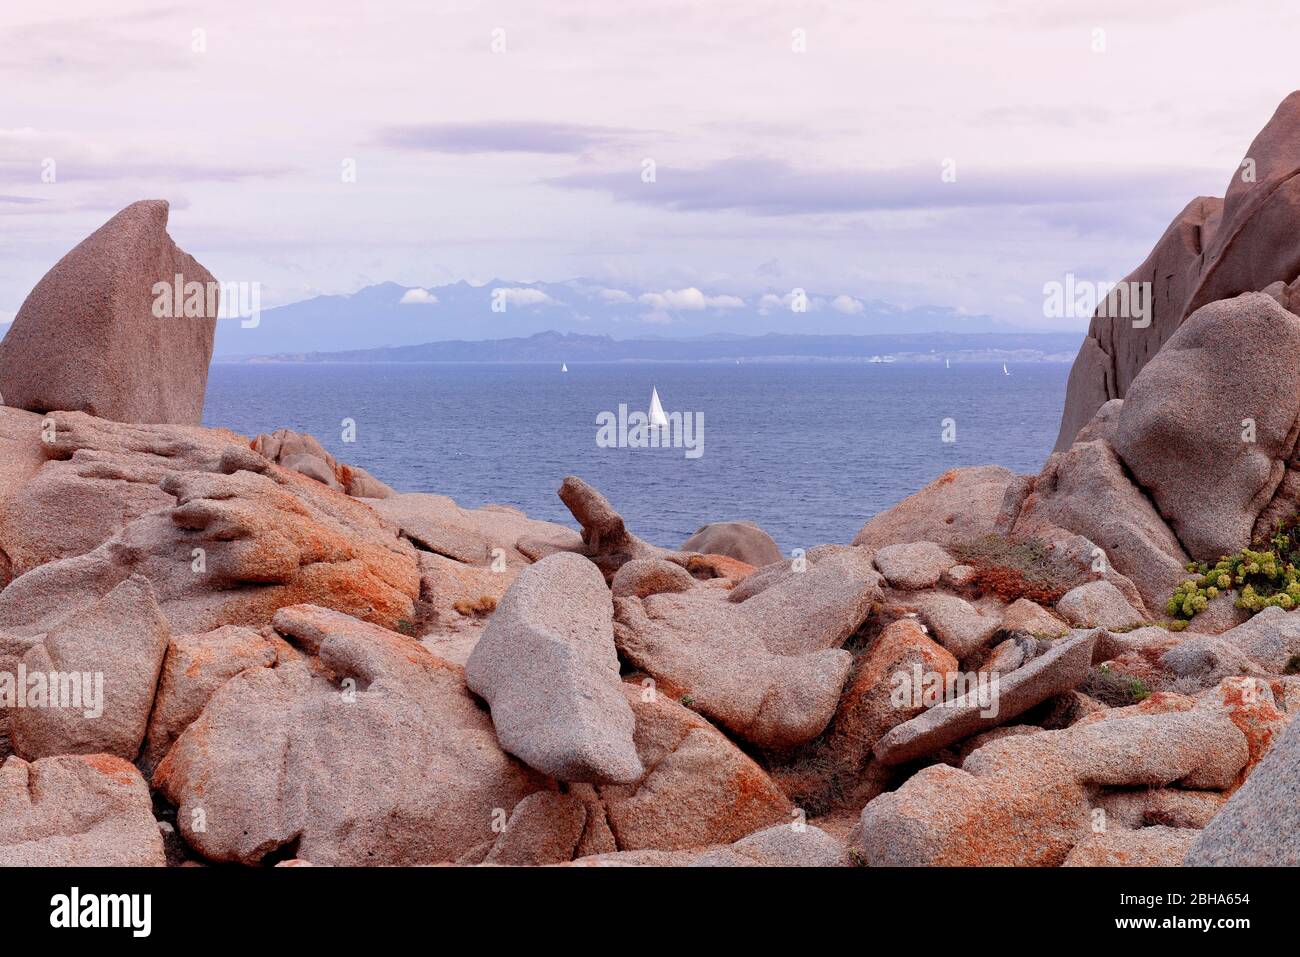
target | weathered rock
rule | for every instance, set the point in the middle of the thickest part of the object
(1215, 249)
(244, 538)
(960, 505)
(316, 469)
(1010, 654)
(88, 337)
(1270, 639)
(1251, 705)
(478, 536)
(1171, 807)
(1119, 343)
(457, 597)
(945, 816)
(369, 750)
(813, 609)
(782, 845)
(763, 659)
(1259, 825)
(1149, 640)
(1085, 489)
(699, 789)
(1209, 425)
(1056, 671)
(1098, 604)
(544, 828)
(1024, 798)
(547, 666)
(833, 770)
(194, 668)
(914, 565)
(957, 624)
(77, 480)
(1202, 749)
(107, 659)
(1147, 847)
(643, 577)
(88, 810)
(606, 540)
(1031, 618)
(1202, 661)
(741, 540)
(960, 576)
(304, 454)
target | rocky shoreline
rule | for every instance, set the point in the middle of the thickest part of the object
(300, 666)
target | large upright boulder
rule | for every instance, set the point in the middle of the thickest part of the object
(88, 339)
(1215, 249)
(548, 668)
(1209, 425)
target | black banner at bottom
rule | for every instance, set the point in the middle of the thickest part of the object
(306, 904)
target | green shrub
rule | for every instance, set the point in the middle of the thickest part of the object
(1264, 575)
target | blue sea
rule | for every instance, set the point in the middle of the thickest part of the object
(809, 451)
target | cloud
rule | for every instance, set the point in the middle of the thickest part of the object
(689, 299)
(615, 296)
(848, 305)
(499, 137)
(27, 154)
(770, 302)
(138, 42)
(767, 187)
(418, 297)
(521, 296)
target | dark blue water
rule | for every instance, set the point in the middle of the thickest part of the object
(809, 451)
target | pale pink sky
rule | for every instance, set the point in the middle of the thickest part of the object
(775, 168)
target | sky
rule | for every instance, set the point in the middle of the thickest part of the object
(955, 154)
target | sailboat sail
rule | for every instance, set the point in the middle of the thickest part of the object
(657, 416)
(564, 367)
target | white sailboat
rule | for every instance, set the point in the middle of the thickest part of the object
(1004, 369)
(657, 416)
(564, 367)
(947, 364)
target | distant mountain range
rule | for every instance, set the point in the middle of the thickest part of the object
(561, 347)
(394, 315)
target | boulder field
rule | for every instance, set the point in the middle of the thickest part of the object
(224, 649)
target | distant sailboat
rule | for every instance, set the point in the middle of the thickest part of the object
(563, 367)
(947, 364)
(657, 416)
(1004, 369)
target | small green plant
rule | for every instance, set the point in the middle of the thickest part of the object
(1264, 575)
(1115, 689)
(406, 627)
(687, 701)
